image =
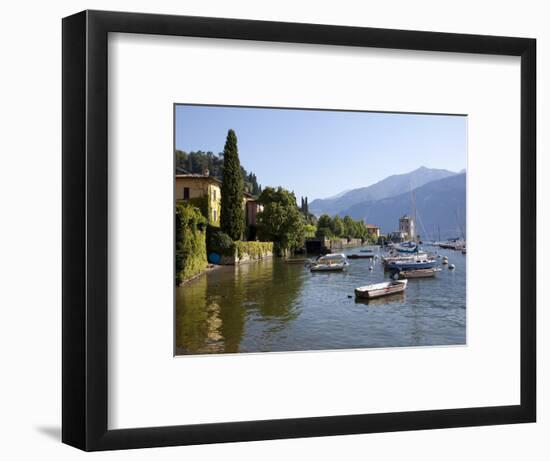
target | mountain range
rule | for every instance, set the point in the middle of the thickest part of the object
(440, 197)
(388, 187)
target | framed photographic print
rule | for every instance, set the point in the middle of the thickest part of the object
(276, 230)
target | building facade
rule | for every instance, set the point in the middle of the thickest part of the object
(204, 191)
(373, 230)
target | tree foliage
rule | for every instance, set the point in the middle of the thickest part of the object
(343, 228)
(337, 226)
(232, 211)
(280, 221)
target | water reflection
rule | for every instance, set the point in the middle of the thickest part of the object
(211, 312)
(393, 299)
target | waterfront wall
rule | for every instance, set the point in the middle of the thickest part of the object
(339, 244)
(323, 244)
(248, 251)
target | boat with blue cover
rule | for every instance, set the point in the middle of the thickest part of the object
(407, 247)
(407, 264)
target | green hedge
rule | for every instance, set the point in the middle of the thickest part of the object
(190, 242)
(253, 249)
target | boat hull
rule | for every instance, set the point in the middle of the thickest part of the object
(389, 289)
(334, 268)
(361, 256)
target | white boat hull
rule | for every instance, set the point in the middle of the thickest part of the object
(381, 289)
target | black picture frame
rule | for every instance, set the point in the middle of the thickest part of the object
(85, 219)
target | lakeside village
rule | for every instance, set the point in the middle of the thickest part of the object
(228, 219)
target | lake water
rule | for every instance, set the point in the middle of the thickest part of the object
(269, 306)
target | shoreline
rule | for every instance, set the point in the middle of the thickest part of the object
(209, 268)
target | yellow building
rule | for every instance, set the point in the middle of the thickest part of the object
(194, 187)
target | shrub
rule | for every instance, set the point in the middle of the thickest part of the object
(219, 242)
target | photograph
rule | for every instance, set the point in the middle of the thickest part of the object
(316, 229)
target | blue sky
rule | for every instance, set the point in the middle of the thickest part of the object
(322, 153)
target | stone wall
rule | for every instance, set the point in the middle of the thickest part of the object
(248, 251)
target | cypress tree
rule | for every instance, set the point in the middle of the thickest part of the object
(232, 211)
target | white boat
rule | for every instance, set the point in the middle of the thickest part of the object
(398, 257)
(332, 262)
(419, 273)
(381, 289)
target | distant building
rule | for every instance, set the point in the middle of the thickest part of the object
(407, 227)
(193, 187)
(373, 230)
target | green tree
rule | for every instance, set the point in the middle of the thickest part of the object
(324, 232)
(349, 227)
(232, 211)
(337, 226)
(309, 230)
(280, 221)
(324, 221)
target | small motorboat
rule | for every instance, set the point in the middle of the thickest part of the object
(407, 265)
(366, 250)
(361, 256)
(419, 273)
(381, 289)
(332, 262)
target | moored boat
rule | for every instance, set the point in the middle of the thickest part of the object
(419, 273)
(381, 289)
(407, 247)
(406, 265)
(332, 262)
(395, 262)
(360, 256)
(453, 244)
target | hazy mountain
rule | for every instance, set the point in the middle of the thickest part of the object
(391, 186)
(438, 203)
